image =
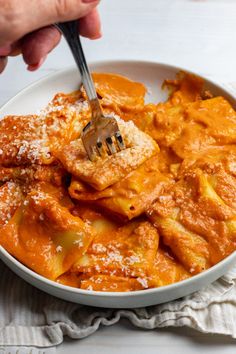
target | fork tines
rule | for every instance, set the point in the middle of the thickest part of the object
(101, 138)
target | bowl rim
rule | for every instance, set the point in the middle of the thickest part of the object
(134, 293)
(171, 287)
(93, 63)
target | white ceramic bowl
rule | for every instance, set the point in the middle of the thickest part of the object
(36, 96)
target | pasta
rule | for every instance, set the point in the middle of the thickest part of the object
(158, 212)
(107, 170)
(129, 197)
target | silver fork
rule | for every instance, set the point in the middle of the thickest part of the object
(101, 133)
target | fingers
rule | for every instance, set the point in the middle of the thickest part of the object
(33, 67)
(37, 45)
(66, 10)
(15, 49)
(5, 50)
(90, 25)
(34, 47)
(19, 18)
(3, 63)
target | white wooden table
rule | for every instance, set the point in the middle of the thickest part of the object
(195, 34)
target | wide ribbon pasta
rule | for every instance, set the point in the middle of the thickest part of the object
(158, 212)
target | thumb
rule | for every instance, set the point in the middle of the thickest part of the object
(20, 18)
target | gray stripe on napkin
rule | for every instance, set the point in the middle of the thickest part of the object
(27, 350)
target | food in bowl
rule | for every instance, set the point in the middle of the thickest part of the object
(156, 213)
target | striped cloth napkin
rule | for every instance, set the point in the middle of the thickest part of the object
(32, 322)
(37, 322)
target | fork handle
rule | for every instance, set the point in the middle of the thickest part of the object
(70, 32)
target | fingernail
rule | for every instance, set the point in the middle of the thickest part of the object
(97, 36)
(31, 67)
(34, 67)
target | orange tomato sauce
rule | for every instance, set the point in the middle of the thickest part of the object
(157, 213)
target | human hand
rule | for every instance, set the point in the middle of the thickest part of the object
(26, 27)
